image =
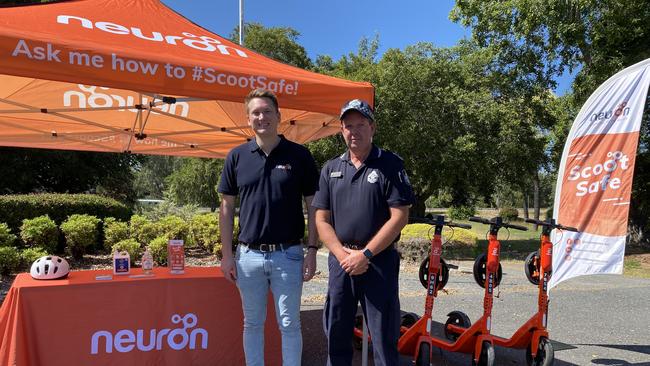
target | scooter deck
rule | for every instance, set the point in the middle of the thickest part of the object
(466, 342)
(523, 337)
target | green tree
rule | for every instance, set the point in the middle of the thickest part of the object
(195, 182)
(438, 108)
(537, 40)
(278, 43)
(150, 175)
(68, 172)
(443, 111)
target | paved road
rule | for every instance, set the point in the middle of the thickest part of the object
(593, 320)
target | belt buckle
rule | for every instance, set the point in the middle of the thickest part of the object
(271, 247)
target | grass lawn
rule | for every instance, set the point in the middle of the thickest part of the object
(637, 265)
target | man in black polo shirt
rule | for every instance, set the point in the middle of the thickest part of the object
(362, 205)
(271, 175)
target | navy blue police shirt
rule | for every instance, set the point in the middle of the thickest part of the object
(359, 200)
(270, 189)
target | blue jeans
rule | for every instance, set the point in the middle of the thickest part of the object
(281, 271)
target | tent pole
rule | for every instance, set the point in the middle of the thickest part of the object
(241, 22)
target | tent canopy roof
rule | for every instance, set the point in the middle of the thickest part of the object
(116, 75)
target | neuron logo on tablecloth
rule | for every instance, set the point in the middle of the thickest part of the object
(126, 340)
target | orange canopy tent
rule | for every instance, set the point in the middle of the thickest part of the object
(135, 76)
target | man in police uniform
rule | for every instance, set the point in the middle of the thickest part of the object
(362, 205)
(271, 175)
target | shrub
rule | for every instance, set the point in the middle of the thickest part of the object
(9, 260)
(130, 246)
(81, 231)
(509, 213)
(415, 242)
(114, 232)
(441, 199)
(174, 227)
(29, 255)
(216, 250)
(460, 243)
(414, 249)
(40, 232)
(461, 212)
(15, 208)
(417, 231)
(549, 213)
(168, 208)
(459, 236)
(158, 249)
(204, 230)
(143, 230)
(7, 239)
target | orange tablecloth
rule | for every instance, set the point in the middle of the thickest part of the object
(189, 319)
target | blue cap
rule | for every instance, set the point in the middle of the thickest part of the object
(359, 106)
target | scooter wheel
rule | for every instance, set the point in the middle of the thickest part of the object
(443, 275)
(408, 319)
(487, 355)
(545, 354)
(424, 355)
(531, 267)
(456, 318)
(480, 271)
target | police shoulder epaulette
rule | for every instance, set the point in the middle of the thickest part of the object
(397, 155)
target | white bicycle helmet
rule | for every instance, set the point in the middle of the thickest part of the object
(50, 267)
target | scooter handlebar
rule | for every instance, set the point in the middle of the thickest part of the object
(480, 220)
(552, 224)
(516, 227)
(567, 228)
(437, 220)
(462, 226)
(497, 221)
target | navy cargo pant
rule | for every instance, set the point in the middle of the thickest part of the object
(377, 290)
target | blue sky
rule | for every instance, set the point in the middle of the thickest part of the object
(335, 27)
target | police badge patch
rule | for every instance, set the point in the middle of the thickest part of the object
(372, 177)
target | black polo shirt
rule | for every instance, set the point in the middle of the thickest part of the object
(271, 189)
(359, 200)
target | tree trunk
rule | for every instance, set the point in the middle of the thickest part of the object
(536, 196)
(525, 205)
(419, 207)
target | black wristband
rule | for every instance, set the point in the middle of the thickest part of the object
(313, 247)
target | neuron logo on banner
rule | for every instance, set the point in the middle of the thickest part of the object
(96, 99)
(125, 340)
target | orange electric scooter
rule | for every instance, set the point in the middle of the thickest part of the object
(417, 339)
(415, 335)
(434, 274)
(533, 335)
(476, 339)
(433, 277)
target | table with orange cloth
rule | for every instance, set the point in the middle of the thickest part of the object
(193, 318)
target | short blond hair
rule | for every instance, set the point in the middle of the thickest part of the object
(262, 93)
